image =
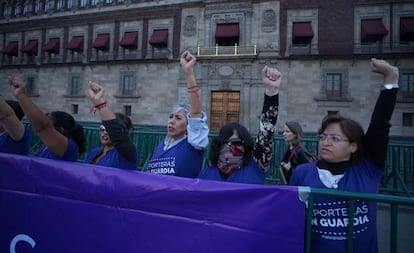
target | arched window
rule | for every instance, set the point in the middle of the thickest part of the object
(60, 4)
(17, 8)
(4, 12)
(26, 7)
(69, 4)
(38, 6)
(48, 5)
(83, 3)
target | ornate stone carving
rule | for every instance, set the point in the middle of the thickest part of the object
(225, 70)
(269, 21)
(190, 24)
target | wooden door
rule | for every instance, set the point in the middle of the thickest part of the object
(225, 108)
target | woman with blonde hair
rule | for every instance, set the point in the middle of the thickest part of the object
(296, 153)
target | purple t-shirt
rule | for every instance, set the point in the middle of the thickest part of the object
(112, 159)
(181, 160)
(330, 215)
(71, 153)
(21, 147)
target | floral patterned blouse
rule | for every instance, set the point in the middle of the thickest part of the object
(263, 148)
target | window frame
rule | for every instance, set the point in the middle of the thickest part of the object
(344, 96)
(83, 3)
(78, 90)
(31, 89)
(407, 119)
(334, 84)
(127, 93)
(227, 41)
(127, 110)
(302, 41)
(74, 109)
(406, 90)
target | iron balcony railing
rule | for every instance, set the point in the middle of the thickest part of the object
(351, 49)
(235, 50)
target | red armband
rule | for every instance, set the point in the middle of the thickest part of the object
(98, 106)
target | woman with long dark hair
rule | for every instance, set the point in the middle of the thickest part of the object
(234, 156)
(62, 137)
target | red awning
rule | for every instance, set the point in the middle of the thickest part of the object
(302, 29)
(52, 46)
(30, 47)
(227, 30)
(407, 29)
(101, 42)
(11, 48)
(159, 38)
(76, 44)
(129, 40)
(372, 30)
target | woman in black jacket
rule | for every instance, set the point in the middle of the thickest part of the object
(296, 154)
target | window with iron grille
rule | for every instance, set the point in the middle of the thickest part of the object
(333, 85)
(26, 7)
(127, 110)
(83, 3)
(408, 119)
(69, 4)
(38, 6)
(30, 86)
(48, 5)
(4, 12)
(17, 9)
(75, 109)
(60, 4)
(407, 84)
(128, 85)
(75, 85)
(333, 113)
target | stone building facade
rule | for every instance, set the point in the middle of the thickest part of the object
(132, 48)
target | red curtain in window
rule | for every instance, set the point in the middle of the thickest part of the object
(129, 40)
(302, 33)
(76, 43)
(52, 46)
(31, 47)
(11, 49)
(407, 29)
(372, 30)
(159, 38)
(101, 42)
(227, 30)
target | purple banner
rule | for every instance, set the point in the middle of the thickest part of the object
(56, 206)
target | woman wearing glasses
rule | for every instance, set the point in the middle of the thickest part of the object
(233, 155)
(117, 151)
(351, 161)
